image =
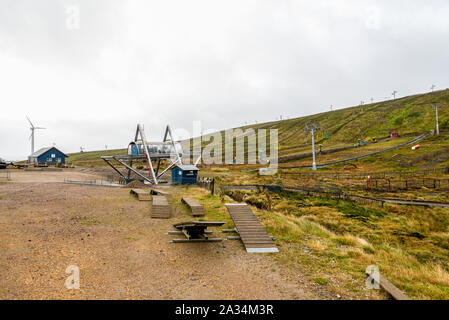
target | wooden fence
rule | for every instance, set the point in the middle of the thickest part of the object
(207, 183)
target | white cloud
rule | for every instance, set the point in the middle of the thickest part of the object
(223, 62)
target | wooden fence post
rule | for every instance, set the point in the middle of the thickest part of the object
(269, 203)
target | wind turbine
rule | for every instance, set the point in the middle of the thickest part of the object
(32, 128)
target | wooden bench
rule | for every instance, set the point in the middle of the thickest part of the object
(195, 206)
(252, 233)
(160, 208)
(195, 231)
(159, 192)
(141, 194)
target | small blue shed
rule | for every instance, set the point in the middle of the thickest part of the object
(51, 156)
(184, 174)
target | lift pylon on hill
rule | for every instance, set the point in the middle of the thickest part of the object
(142, 151)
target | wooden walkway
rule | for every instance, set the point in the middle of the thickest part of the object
(141, 194)
(160, 208)
(195, 206)
(252, 233)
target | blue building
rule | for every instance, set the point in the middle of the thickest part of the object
(3, 164)
(49, 156)
(184, 174)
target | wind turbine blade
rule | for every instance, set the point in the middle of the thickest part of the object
(32, 126)
(39, 128)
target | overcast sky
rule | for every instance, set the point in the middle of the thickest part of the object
(91, 78)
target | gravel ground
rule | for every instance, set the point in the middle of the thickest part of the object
(121, 252)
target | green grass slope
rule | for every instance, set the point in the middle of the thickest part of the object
(409, 116)
(93, 158)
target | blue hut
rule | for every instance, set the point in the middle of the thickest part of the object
(49, 156)
(184, 174)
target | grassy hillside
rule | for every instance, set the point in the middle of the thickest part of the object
(409, 116)
(92, 158)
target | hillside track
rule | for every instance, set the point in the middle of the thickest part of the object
(367, 155)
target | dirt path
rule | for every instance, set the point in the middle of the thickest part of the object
(122, 253)
(22, 176)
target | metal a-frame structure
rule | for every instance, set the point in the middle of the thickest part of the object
(147, 152)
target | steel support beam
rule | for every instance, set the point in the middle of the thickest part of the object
(112, 166)
(134, 170)
(163, 172)
(145, 148)
(168, 131)
(129, 171)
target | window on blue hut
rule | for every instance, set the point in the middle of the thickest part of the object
(189, 174)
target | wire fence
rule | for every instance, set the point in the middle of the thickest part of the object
(5, 175)
(390, 185)
(317, 191)
(364, 199)
(364, 175)
(320, 191)
(101, 183)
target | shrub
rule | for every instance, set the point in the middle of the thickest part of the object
(321, 281)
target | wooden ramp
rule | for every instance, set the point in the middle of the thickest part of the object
(252, 233)
(195, 206)
(160, 208)
(141, 194)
